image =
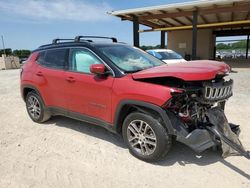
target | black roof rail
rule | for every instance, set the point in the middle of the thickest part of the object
(78, 38)
(55, 41)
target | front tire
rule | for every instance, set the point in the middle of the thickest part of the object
(35, 108)
(145, 136)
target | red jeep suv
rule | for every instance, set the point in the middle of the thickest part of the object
(130, 92)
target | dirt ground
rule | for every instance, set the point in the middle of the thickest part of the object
(68, 153)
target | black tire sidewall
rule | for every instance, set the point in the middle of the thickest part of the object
(163, 139)
(40, 119)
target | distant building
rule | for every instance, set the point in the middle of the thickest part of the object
(9, 62)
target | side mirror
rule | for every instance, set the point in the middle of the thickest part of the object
(98, 69)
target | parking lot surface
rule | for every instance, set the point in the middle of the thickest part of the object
(67, 153)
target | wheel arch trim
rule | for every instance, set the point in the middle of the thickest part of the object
(28, 86)
(144, 107)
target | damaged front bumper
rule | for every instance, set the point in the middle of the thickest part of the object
(230, 146)
(217, 131)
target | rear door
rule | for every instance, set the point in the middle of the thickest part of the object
(50, 76)
(87, 93)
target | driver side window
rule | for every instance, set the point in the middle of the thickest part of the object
(81, 60)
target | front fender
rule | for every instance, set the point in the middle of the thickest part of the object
(145, 108)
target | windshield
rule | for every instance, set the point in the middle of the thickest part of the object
(168, 55)
(130, 59)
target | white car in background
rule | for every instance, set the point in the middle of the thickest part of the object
(166, 55)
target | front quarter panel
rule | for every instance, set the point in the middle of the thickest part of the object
(126, 88)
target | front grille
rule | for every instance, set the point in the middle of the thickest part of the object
(218, 91)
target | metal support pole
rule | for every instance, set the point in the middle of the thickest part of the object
(215, 49)
(247, 47)
(3, 45)
(136, 31)
(163, 34)
(194, 35)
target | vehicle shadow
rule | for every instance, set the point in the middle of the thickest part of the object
(183, 155)
(179, 153)
(88, 129)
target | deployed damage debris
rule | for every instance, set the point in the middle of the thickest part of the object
(230, 142)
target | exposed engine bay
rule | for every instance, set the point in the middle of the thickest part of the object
(196, 110)
(194, 99)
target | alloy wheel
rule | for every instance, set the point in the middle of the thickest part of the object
(34, 107)
(141, 137)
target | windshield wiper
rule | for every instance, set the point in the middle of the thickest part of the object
(137, 70)
(133, 71)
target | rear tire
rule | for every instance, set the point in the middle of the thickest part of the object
(35, 108)
(146, 137)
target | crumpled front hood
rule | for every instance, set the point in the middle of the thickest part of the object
(192, 70)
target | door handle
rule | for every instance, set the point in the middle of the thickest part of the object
(70, 79)
(39, 73)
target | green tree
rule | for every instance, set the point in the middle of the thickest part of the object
(8, 51)
(232, 46)
(239, 45)
(150, 47)
(22, 53)
(222, 46)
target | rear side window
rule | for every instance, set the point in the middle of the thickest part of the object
(53, 58)
(41, 58)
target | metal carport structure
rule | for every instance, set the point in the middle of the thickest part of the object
(224, 17)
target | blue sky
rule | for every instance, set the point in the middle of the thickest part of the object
(26, 24)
